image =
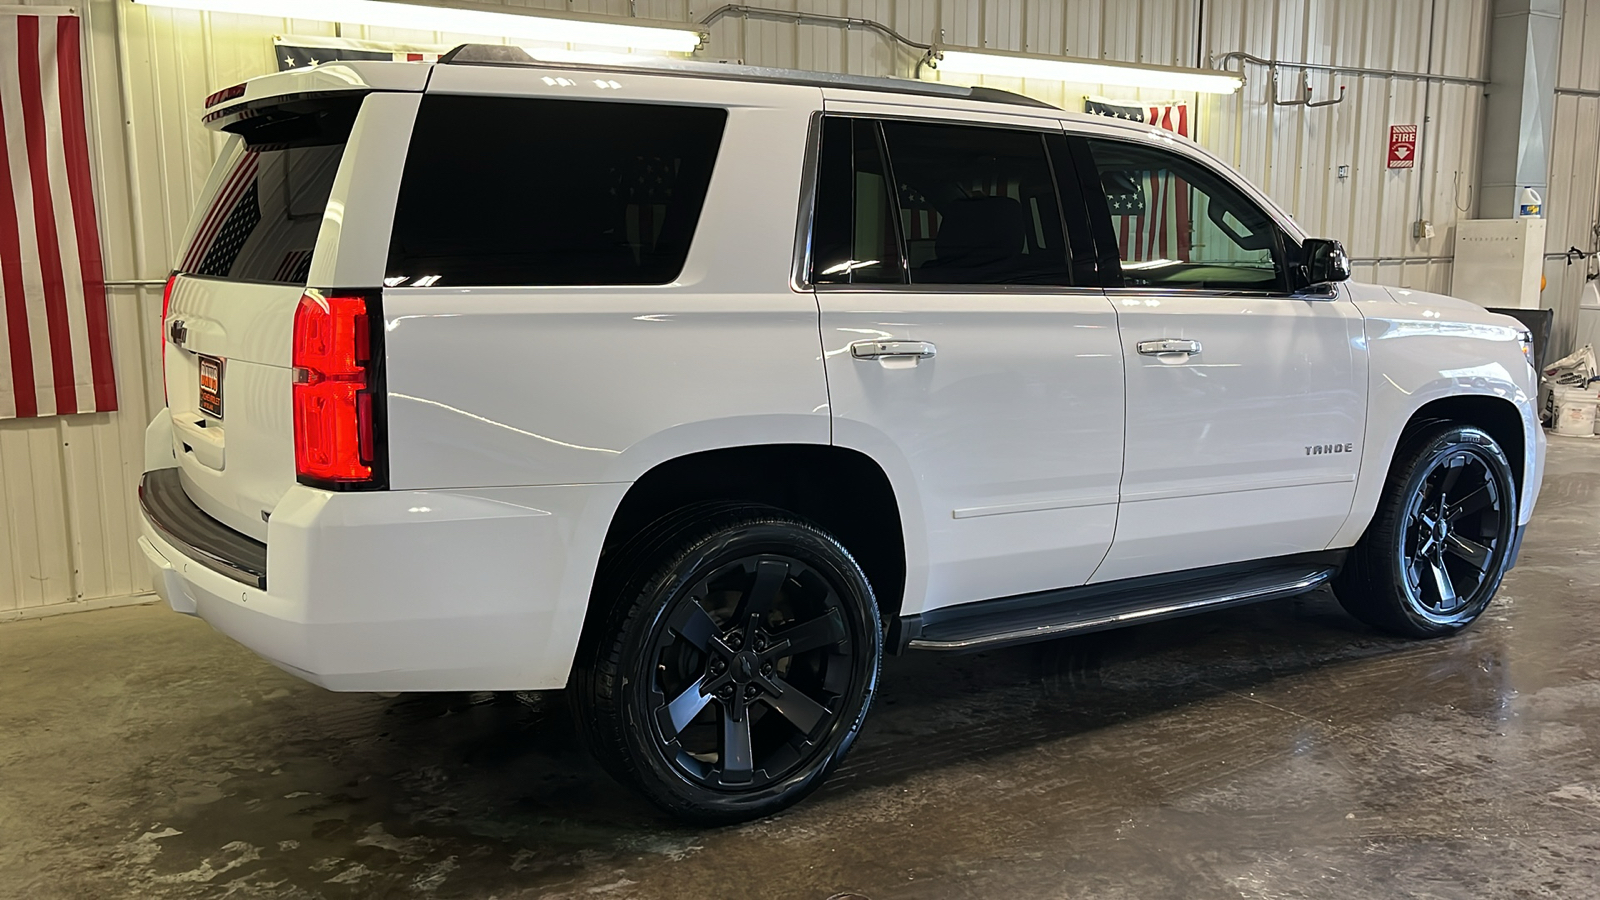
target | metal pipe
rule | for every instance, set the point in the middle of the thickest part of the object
(1380, 260)
(1576, 92)
(130, 145)
(1427, 96)
(135, 282)
(809, 18)
(1251, 59)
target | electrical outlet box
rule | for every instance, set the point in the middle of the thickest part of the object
(1423, 230)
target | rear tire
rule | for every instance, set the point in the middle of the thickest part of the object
(735, 663)
(1437, 548)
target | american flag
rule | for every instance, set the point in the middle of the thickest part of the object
(299, 52)
(55, 354)
(1152, 218)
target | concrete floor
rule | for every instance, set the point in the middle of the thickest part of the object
(1277, 751)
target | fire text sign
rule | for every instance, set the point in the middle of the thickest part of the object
(1402, 146)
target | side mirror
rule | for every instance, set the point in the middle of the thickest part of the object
(1326, 261)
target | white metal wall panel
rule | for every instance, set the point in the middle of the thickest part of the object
(67, 485)
(1573, 204)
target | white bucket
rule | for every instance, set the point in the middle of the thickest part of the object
(1574, 410)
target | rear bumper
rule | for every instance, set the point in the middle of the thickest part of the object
(196, 535)
(394, 590)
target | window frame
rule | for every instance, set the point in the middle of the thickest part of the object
(800, 276)
(1286, 253)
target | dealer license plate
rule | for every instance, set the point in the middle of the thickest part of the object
(211, 386)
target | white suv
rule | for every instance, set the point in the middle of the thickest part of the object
(695, 389)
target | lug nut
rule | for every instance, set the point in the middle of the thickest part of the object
(766, 668)
(750, 692)
(761, 642)
(735, 639)
(717, 665)
(726, 693)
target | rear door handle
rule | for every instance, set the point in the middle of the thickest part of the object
(893, 350)
(1169, 345)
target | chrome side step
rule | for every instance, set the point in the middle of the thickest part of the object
(1031, 617)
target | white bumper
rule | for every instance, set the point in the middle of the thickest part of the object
(409, 590)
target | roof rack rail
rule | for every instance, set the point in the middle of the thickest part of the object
(512, 55)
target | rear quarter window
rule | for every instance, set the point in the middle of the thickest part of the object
(518, 191)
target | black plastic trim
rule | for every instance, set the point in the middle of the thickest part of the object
(1005, 621)
(198, 536)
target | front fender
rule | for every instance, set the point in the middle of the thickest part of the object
(1427, 347)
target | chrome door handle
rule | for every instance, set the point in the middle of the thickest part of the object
(893, 350)
(1169, 345)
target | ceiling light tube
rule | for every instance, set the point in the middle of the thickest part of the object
(1082, 71)
(463, 18)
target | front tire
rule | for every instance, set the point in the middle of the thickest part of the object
(736, 665)
(1440, 541)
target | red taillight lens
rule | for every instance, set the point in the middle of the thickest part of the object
(333, 426)
(166, 306)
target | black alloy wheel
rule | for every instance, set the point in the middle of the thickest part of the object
(739, 662)
(1439, 544)
(1453, 528)
(740, 694)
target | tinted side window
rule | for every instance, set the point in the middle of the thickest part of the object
(853, 230)
(977, 205)
(515, 191)
(1178, 224)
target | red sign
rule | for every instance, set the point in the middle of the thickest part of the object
(1402, 146)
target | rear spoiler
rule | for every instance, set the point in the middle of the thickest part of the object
(231, 105)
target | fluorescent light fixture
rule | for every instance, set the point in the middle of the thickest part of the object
(1082, 71)
(463, 19)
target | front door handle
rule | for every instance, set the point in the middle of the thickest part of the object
(1169, 345)
(893, 350)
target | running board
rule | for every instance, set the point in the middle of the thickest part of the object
(988, 624)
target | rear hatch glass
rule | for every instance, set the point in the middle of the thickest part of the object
(260, 223)
(231, 311)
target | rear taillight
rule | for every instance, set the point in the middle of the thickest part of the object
(166, 306)
(335, 435)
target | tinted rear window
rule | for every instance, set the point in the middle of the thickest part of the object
(516, 191)
(262, 222)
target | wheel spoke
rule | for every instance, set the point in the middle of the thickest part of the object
(802, 712)
(737, 752)
(1425, 549)
(1469, 550)
(1443, 586)
(1451, 473)
(694, 624)
(770, 575)
(1471, 503)
(823, 631)
(683, 708)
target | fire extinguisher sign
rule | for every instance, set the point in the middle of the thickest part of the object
(1402, 146)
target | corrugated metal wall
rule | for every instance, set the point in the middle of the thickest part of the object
(66, 485)
(1573, 205)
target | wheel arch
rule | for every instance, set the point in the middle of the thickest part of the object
(843, 491)
(1492, 413)
(1499, 415)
